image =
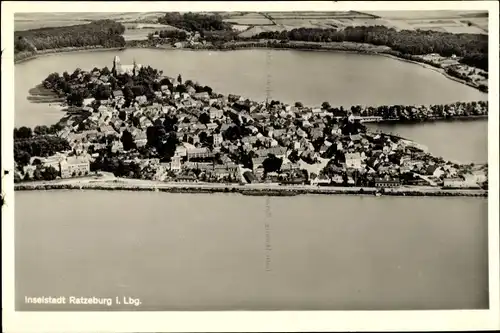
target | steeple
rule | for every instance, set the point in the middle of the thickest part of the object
(116, 65)
(135, 68)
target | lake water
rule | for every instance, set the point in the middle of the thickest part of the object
(459, 140)
(215, 252)
(212, 252)
(310, 77)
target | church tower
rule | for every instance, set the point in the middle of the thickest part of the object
(134, 71)
(117, 66)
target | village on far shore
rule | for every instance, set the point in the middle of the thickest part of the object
(180, 131)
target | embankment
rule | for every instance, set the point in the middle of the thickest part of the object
(274, 190)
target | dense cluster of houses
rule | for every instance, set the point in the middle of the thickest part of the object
(209, 152)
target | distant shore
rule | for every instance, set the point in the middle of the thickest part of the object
(347, 47)
(249, 189)
(47, 52)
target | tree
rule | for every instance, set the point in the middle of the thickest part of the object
(75, 98)
(17, 177)
(298, 105)
(102, 92)
(23, 159)
(41, 130)
(294, 156)
(122, 115)
(272, 163)
(24, 133)
(203, 137)
(204, 118)
(179, 79)
(105, 71)
(326, 106)
(208, 90)
(128, 141)
(37, 174)
(50, 173)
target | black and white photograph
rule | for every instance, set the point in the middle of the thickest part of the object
(262, 158)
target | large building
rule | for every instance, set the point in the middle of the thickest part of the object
(74, 166)
(118, 68)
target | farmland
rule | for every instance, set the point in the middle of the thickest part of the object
(140, 31)
(251, 23)
(443, 21)
(28, 21)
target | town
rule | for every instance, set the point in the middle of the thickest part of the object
(135, 122)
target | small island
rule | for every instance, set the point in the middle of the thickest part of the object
(132, 122)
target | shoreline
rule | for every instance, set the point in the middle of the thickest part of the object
(249, 189)
(345, 48)
(48, 52)
(428, 120)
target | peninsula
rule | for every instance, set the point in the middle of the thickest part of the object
(134, 122)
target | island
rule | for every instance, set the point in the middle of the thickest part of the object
(133, 127)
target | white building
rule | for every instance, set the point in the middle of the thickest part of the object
(74, 166)
(353, 160)
(122, 69)
(217, 139)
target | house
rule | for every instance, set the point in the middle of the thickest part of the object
(118, 94)
(353, 160)
(215, 113)
(175, 164)
(386, 183)
(259, 172)
(74, 166)
(88, 101)
(211, 126)
(181, 151)
(194, 152)
(141, 100)
(257, 161)
(107, 130)
(204, 96)
(321, 180)
(249, 177)
(457, 182)
(141, 139)
(434, 170)
(355, 137)
(117, 146)
(190, 90)
(217, 139)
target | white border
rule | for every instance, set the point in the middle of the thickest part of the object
(242, 321)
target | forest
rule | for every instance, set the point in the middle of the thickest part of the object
(41, 142)
(472, 47)
(195, 21)
(106, 33)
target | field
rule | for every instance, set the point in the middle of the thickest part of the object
(27, 21)
(140, 31)
(248, 22)
(248, 19)
(475, 22)
(445, 21)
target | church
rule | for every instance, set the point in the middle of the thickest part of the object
(119, 69)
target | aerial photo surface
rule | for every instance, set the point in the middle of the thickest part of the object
(251, 160)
